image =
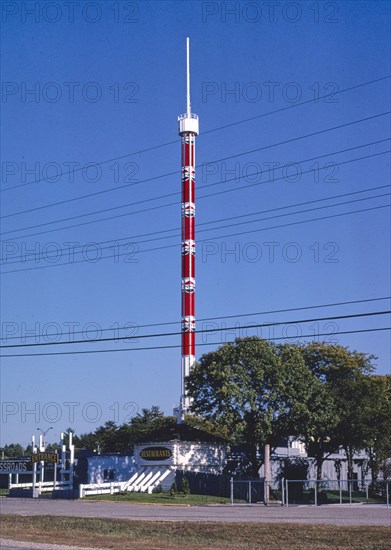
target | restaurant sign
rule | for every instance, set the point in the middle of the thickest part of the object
(155, 453)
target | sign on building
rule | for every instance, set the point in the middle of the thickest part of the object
(15, 466)
(155, 453)
(45, 457)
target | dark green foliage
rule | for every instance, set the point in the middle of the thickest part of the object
(145, 426)
(293, 468)
(173, 490)
(185, 487)
(237, 388)
(258, 392)
(13, 450)
(111, 438)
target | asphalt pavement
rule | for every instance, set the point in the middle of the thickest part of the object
(332, 514)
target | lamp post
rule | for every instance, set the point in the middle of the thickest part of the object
(44, 435)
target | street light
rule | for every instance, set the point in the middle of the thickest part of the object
(44, 435)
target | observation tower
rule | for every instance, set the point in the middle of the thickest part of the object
(188, 130)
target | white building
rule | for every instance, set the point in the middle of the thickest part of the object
(106, 468)
(178, 448)
(335, 465)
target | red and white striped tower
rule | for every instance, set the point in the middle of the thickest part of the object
(188, 130)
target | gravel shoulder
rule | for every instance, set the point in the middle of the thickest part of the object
(9, 543)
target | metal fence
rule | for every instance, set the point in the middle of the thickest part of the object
(246, 490)
(335, 492)
(288, 492)
(254, 491)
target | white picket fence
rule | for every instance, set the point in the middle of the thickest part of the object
(143, 481)
(42, 486)
(89, 489)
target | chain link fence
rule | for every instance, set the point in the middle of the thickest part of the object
(288, 492)
(335, 492)
(254, 491)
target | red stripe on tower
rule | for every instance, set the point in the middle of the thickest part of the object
(188, 130)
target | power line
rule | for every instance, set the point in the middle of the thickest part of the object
(269, 113)
(208, 240)
(74, 252)
(281, 109)
(231, 316)
(115, 241)
(300, 222)
(297, 212)
(198, 345)
(263, 219)
(200, 197)
(201, 331)
(197, 166)
(49, 178)
(294, 205)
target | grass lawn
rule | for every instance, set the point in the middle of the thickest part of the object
(333, 497)
(175, 535)
(162, 498)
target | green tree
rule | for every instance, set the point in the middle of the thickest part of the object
(85, 441)
(13, 450)
(237, 388)
(206, 425)
(121, 439)
(375, 416)
(307, 407)
(148, 424)
(336, 418)
(53, 447)
(258, 392)
(107, 437)
(28, 450)
(148, 415)
(145, 425)
(335, 364)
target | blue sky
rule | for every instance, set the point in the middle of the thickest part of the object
(108, 81)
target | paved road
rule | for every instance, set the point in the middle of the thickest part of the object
(331, 514)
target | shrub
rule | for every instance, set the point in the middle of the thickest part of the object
(173, 490)
(185, 487)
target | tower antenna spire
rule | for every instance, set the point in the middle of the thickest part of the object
(188, 76)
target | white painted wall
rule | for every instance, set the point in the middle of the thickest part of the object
(186, 455)
(124, 467)
(329, 471)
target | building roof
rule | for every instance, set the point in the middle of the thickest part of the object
(182, 432)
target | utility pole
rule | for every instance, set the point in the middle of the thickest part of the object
(267, 474)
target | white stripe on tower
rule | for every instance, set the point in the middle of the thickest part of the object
(188, 130)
